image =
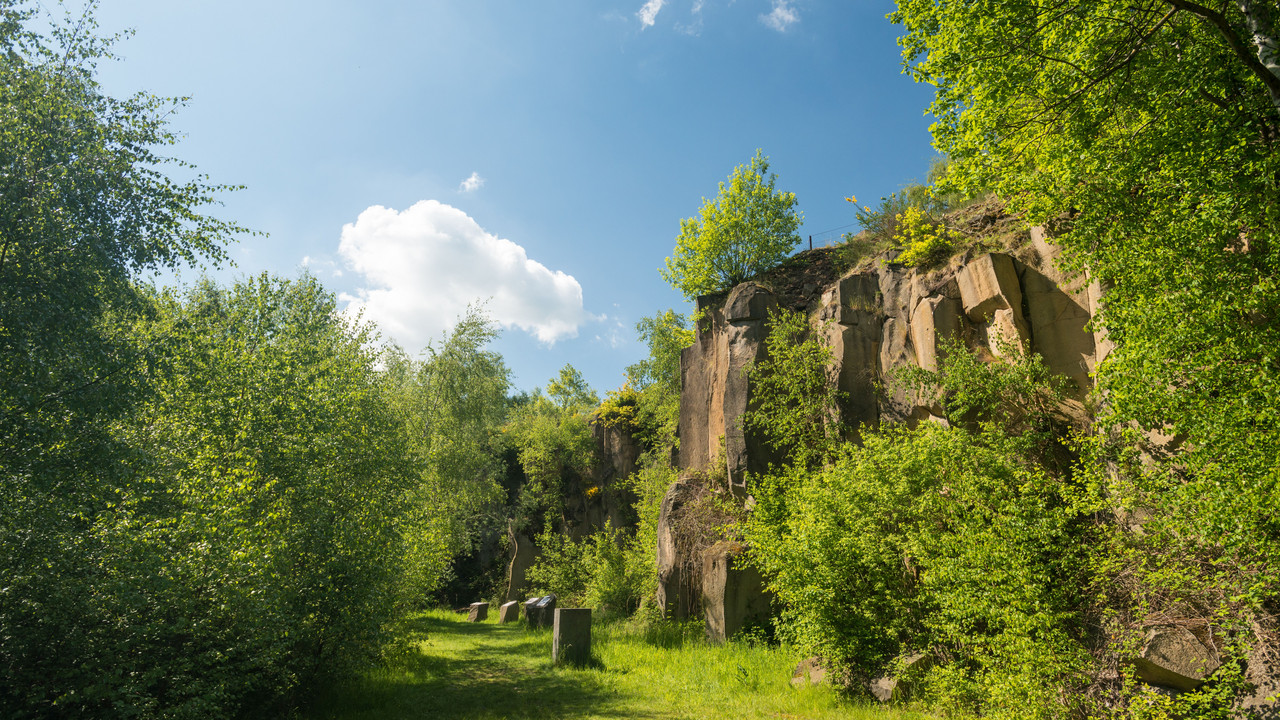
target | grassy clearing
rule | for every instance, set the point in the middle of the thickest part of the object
(455, 669)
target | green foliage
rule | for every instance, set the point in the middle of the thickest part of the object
(552, 440)
(453, 404)
(950, 541)
(593, 572)
(924, 241)
(569, 391)
(1144, 136)
(798, 406)
(619, 408)
(748, 228)
(657, 377)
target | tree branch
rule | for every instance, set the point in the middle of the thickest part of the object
(1220, 22)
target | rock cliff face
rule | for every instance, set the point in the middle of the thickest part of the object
(600, 501)
(875, 322)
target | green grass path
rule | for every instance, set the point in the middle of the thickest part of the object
(486, 670)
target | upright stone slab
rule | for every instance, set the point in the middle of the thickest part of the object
(541, 613)
(571, 636)
(509, 612)
(479, 612)
(733, 593)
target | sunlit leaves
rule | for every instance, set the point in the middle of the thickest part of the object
(748, 228)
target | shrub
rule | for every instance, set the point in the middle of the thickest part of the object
(956, 541)
(924, 240)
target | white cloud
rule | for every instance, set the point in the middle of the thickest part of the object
(649, 12)
(472, 183)
(782, 17)
(424, 265)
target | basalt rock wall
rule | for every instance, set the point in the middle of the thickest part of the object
(875, 321)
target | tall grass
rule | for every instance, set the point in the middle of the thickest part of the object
(448, 668)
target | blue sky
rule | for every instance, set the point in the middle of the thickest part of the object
(417, 156)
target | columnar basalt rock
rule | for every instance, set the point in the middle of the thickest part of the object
(733, 593)
(876, 323)
(675, 595)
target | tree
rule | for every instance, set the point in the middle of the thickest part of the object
(453, 404)
(85, 205)
(1144, 135)
(748, 228)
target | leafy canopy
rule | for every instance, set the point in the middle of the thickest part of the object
(748, 228)
(1145, 135)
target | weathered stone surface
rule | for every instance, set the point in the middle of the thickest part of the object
(479, 612)
(675, 598)
(733, 594)
(1174, 657)
(899, 689)
(748, 301)
(1259, 700)
(523, 554)
(934, 321)
(540, 612)
(617, 453)
(808, 672)
(989, 283)
(1057, 321)
(509, 612)
(702, 373)
(883, 689)
(571, 636)
(851, 322)
(745, 450)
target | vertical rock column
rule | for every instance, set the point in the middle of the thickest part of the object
(851, 320)
(746, 315)
(733, 593)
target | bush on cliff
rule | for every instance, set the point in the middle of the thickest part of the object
(748, 228)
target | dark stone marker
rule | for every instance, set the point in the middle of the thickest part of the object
(479, 611)
(540, 613)
(509, 612)
(571, 637)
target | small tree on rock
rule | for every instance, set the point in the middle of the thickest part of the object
(747, 229)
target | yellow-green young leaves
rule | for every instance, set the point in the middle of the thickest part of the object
(748, 228)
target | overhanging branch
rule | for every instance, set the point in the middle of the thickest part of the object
(1237, 45)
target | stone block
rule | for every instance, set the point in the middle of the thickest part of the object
(509, 612)
(539, 612)
(808, 672)
(479, 612)
(987, 284)
(571, 636)
(733, 594)
(1172, 656)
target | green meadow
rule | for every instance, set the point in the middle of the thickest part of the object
(446, 667)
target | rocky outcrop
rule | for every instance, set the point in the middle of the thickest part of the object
(876, 322)
(1173, 657)
(716, 389)
(603, 500)
(675, 588)
(523, 555)
(733, 593)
